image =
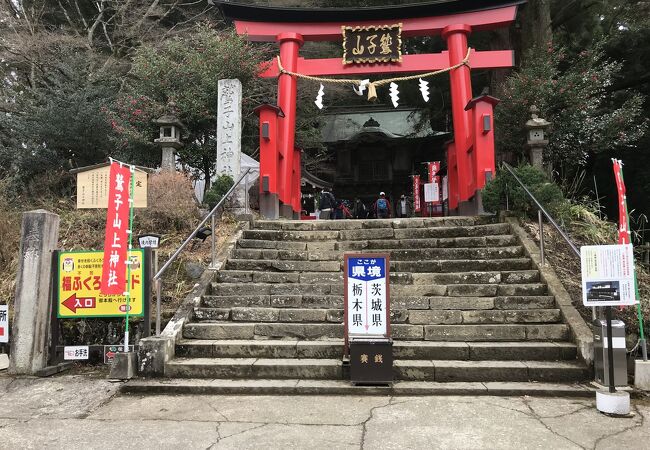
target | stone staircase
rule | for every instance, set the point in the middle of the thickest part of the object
(466, 306)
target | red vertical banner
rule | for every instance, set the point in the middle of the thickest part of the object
(433, 169)
(417, 204)
(623, 231)
(116, 240)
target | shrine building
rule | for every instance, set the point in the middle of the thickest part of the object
(378, 147)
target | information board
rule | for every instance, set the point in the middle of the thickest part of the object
(79, 281)
(367, 299)
(431, 192)
(76, 352)
(608, 275)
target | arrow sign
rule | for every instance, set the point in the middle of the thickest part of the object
(73, 303)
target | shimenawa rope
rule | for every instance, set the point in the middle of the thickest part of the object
(373, 85)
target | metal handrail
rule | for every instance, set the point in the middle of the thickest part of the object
(542, 210)
(157, 278)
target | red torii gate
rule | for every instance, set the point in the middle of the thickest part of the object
(470, 156)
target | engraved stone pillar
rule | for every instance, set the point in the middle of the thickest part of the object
(31, 331)
(229, 124)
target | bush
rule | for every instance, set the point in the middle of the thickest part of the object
(504, 185)
(218, 190)
(172, 205)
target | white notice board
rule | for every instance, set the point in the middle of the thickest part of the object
(608, 275)
(431, 192)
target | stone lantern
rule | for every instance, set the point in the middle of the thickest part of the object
(537, 138)
(170, 137)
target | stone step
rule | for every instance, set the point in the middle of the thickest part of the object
(504, 240)
(461, 265)
(456, 371)
(193, 386)
(372, 223)
(477, 351)
(506, 277)
(417, 317)
(410, 370)
(316, 331)
(379, 233)
(398, 302)
(397, 290)
(251, 276)
(467, 242)
(403, 254)
(423, 266)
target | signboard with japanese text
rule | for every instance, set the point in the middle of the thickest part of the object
(79, 281)
(76, 352)
(431, 192)
(111, 350)
(149, 241)
(372, 44)
(116, 239)
(608, 275)
(417, 202)
(92, 188)
(367, 299)
(445, 188)
(433, 168)
(4, 324)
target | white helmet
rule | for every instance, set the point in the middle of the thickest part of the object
(382, 193)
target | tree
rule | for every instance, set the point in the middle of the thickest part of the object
(186, 70)
(586, 118)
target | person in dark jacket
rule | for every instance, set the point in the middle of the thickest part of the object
(382, 207)
(327, 204)
(359, 211)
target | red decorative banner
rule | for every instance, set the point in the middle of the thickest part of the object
(417, 204)
(623, 231)
(116, 241)
(434, 168)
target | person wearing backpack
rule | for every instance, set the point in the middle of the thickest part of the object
(382, 207)
(326, 205)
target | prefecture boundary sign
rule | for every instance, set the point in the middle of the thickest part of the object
(367, 299)
(79, 276)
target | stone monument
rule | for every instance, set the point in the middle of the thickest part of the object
(33, 308)
(229, 124)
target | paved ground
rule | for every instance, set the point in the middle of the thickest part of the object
(83, 412)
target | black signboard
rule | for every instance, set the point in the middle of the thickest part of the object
(372, 44)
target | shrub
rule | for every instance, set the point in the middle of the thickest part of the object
(504, 185)
(171, 204)
(218, 190)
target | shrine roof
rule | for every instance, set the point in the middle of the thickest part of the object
(406, 123)
(270, 14)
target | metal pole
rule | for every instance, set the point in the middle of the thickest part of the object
(246, 195)
(610, 350)
(158, 304)
(600, 216)
(541, 236)
(214, 244)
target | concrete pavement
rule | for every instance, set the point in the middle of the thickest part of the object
(83, 412)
